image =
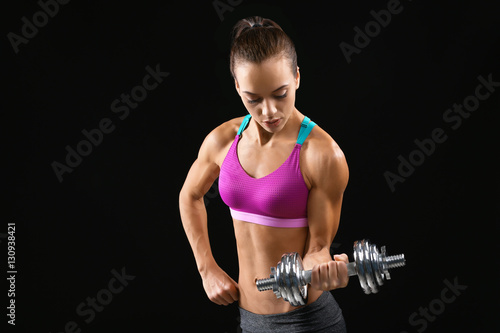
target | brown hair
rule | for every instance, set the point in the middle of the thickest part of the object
(256, 39)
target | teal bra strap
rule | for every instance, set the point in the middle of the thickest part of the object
(244, 124)
(305, 128)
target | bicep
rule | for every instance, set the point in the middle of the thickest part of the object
(202, 173)
(324, 205)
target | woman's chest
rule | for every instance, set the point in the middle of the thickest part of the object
(259, 162)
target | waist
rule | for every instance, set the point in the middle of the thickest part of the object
(260, 248)
(266, 302)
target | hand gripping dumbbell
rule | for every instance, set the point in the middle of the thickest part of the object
(289, 280)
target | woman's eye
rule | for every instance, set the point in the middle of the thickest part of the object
(254, 101)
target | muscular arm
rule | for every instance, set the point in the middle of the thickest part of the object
(328, 175)
(220, 288)
(202, 174)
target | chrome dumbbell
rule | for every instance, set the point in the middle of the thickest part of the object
(289, 280)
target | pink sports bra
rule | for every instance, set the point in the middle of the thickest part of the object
(276, 200)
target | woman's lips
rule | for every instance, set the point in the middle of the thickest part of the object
(273, 122)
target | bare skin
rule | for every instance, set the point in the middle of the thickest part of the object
(268, 92)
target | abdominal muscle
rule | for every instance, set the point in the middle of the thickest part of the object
(260, 248)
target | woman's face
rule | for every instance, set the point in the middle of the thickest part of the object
(268, 91)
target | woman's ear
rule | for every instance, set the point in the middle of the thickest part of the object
(237, 86)
(297, 78)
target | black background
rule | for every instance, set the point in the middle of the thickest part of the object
(119, 207)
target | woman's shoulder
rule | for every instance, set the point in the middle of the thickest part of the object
(319, 142)
(226, 131)
(321, 153)
(221, 137)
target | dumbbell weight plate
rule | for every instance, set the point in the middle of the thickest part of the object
(299, 289)
(375, 257)
(285, 278)
(358, 258)
(289, 279)
(281, 276)
(367, 260)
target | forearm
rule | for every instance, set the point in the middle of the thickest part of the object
(219, 287)
(194, 220)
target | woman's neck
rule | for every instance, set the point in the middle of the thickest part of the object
(289, 130)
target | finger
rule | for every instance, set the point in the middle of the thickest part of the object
(341, 257)
(220, 301)
(230, 292)
(225, 297)
(332, 275)
(315, 277)
(324, 276)
(231, 287)
(216, 299)
(342, 276)
(218, 296)
(234, 292)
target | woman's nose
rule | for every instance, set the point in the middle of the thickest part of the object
(269, 110)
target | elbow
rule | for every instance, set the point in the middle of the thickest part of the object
(182, 196)
(185, 198)
(188, 198)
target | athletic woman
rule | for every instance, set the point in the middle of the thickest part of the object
(283, 178)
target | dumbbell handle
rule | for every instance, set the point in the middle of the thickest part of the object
(267, 284)
(351, 271)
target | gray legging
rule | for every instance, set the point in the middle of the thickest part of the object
(322, 316)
